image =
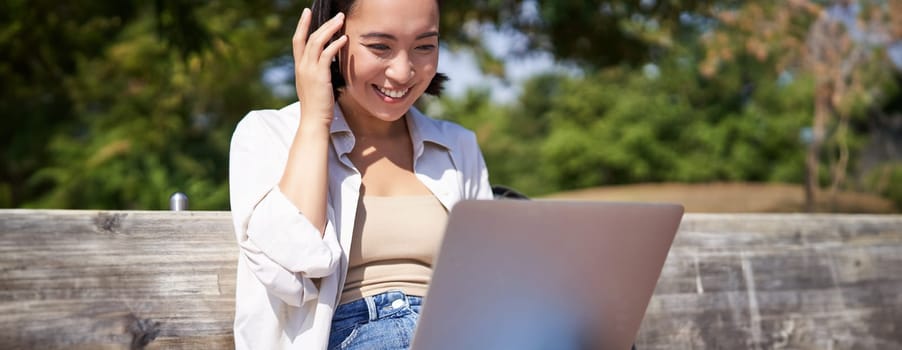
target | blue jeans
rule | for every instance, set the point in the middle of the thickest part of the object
(382, 321)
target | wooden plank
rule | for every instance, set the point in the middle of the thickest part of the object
(779, 281)
(83, 279)
(163, 280)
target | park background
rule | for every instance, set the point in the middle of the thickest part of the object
(721, 105)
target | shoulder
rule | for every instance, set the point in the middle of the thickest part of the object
(456, 131)
(447, 133)
(267, 125)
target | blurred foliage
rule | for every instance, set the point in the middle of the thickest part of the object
(842, 44)
(118, 104)
(887, 181)
(622, 126)
(593, 34)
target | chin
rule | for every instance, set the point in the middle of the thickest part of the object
(389, 111)
(390, 116)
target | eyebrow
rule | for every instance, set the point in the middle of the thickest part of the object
(375, 35)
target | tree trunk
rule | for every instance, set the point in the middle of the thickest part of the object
(818, 131)
(841, 166)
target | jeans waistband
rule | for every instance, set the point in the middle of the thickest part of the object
(380, 305)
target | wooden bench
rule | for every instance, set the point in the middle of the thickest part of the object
(141, 279)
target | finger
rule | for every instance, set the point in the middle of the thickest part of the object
(332, 49)
(318, 40)
(299, 40)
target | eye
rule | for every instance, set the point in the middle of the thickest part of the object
(426, 48)
(378, 47)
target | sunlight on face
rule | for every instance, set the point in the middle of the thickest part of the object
(391, 56)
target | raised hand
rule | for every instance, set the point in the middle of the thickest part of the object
(312, 58)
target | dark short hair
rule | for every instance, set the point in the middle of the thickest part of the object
(323, 11)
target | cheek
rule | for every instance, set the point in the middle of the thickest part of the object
(362, 65)
(427, 64)
(356, 68)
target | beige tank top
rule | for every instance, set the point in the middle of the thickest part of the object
(395, 240)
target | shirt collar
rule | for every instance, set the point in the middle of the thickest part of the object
(342, 137)
(422, 129)
(425, 129)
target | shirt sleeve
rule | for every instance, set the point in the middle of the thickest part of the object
(281, 246)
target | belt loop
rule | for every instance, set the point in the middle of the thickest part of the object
(371, 307)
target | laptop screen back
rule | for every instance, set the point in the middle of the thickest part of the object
(545, 274)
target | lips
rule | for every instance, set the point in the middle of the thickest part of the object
(392, 93)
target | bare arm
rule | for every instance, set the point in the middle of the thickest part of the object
(305, 180)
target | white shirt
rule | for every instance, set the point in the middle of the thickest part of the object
(289, 277)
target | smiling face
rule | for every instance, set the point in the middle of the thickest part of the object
(391, 56)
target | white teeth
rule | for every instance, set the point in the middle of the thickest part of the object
(394, 93)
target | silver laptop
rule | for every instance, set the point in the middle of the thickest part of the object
(540, 274)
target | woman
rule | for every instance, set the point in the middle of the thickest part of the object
(339, 201)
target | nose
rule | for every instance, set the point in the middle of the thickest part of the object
(400, 69)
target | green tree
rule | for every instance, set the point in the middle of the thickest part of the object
(119, 104)
(509, 135)
(130, 102)
(592, 34)
(666, 122)
(839, 43)
(115, 104)
(40, 42)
